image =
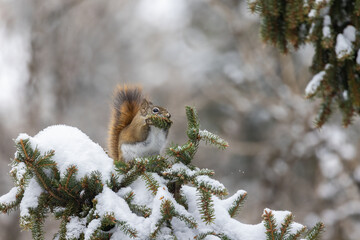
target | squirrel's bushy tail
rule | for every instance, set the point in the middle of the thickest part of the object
(126, 103)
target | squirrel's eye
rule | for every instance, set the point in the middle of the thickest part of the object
(155, 110)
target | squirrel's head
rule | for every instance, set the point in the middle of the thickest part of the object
(155, 115)
(148, 109)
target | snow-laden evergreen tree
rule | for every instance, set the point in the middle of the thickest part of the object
(60, 171)
(332, 27)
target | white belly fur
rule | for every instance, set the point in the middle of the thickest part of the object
(153, 144)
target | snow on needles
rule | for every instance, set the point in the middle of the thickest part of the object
(344, 42)
(314, 84)
(30, 199)
(326, 27)
(72, 147)
(9, 197)
(75, 227)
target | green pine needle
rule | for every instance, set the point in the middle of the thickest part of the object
(127, 229)
(285, 227)
(314, 234)
(237, 204)
(160, 122)
(206, 206)
(270, 225)
(211, 138)
(150, 182)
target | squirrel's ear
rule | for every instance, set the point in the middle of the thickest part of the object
(144, 106)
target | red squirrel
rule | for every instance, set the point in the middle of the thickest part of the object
(131, 131)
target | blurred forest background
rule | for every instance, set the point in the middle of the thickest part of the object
(61, 59)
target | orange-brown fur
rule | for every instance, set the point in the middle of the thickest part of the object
(127, 102)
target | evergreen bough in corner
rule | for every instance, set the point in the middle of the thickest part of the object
(156, 197)
(332, 27)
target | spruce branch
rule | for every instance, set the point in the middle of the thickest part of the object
(140, 210)
(151, 184)
(127, 229)
(270, 225)
(189, 221)
(131, 172)
(156, 164)
(37, 216)
(211, 138)
(31, 159)
(285, 227)
(206, 206)
(62, 232)
(237, 204)
(315, 233)
(332, 28)
(192, 117)
(182, 153)
(296, 235)
(207, 184)
(10, 201)
(168, 211)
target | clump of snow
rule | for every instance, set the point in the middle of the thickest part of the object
(111, 202)
(327, 20)
(9, 197)
(223, 222)
(206, 180)
(75, 227)
(326, 27)
(19, 169)
(91, 228)
(30, 199)
(312, 13)
(350, 33)
(344, 46)
(180, 168)
(142, 195)
(280, 217)
(314, 84)
(72, 147)
(227, 203)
